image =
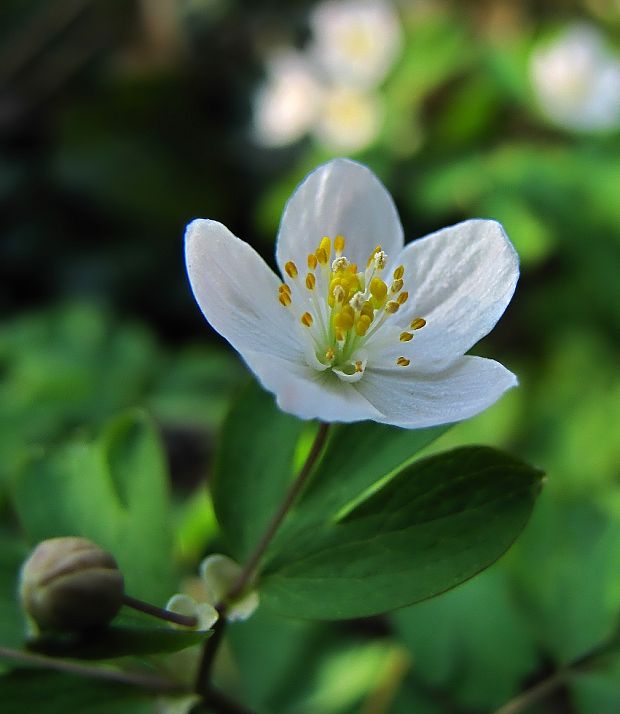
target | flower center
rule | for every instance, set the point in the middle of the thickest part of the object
(340, 308)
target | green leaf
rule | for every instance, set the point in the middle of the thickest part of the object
(434, 525)
(457, 639)
(118, 641)
(113, 491)
(253, 467)
(357, 458)
(12, 625)
(47, 692)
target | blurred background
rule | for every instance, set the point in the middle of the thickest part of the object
(122, 120)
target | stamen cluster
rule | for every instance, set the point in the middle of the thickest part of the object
(342, 307)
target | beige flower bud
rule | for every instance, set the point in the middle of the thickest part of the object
(70, 584)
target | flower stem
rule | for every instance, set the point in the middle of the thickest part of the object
(153, 610)
(295, 489)
(249, 569)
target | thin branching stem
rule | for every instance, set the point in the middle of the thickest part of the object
(248, 571)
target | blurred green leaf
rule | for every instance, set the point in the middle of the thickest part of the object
(118, 640)
(568, 569)
(53, 693)
(12, 624)
(253, 467)
(456, 639)
(437, 523)
(113, 491)
(358, 459)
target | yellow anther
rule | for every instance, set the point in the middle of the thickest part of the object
(403, 362)
(418, 323)
(406, 336)
(359, 366)
(312, 261)
(339, 245)
(371, 257)
(306, 319)
(321, 256)
(284, 298)
(326, 246)
(378, 289)
(402, 298)
(291, 269)
(367, 309)
(330, 354)
(392, 307)
(362, 325)
(345, 318)
(396, 286)
(310, 281)
(284, 288)
(399, 272)
(339, 293)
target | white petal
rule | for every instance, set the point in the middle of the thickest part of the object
(412, 400)
(237, 292)
(309, 394)
(220, 574)
(340, 197)
(205, 614)
(460, 280)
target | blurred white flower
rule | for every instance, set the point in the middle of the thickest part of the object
(287, 104)
(356, 330)
(219, 575)
(349, 119)
(355, 41)
(577, 80)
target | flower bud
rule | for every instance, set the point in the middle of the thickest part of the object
(70, 584)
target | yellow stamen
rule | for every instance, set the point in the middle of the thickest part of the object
(324, 250)
(362, 325)
(321, 256)
(306, 319)
(378, 289)
(403, 362)
(367, 309)
(402, 298)
(284, 288)
(284, 298)
(418, 323)
(345, 318)
(358, 366)
(339, 245)
(291, 269)
(372, 256)
(312, 261)
(392, 307)
(406, 336)
(399, 272)
(310, 281)
(330, 354)
(396, 286)
(339, 293)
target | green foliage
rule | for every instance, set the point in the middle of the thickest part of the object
(52, 693)
(127, 636)
(438, 522)
(115, 492)
(253, 467)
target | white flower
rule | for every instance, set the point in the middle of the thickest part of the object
(219, 575)
(355, 41)
(349, 120)
(206, 615)
(288, 102)
(577, 80)
(379, 337)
